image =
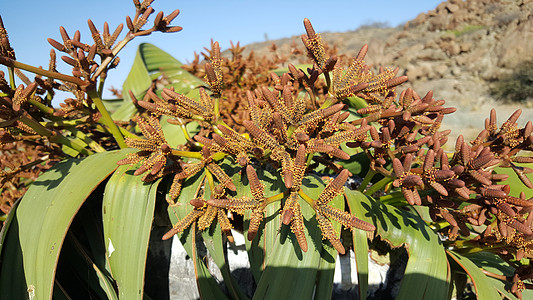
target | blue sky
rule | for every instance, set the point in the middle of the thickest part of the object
(30, 23)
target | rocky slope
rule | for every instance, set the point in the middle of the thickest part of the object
(457, 50)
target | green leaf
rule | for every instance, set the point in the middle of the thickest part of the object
(213, 241)
(128, 210)
(261, 246)
(303, 67)
(360, 245)
(173, 133)
(426, 271)
(495, 264)
(484, 287)
(79, 275)
(112, 104)
(356, 103)
(7, 223)
(516, 185)
(82, 268)
(207, 285)
(492, 263)
(216, 244)
(358, 164)
(326, 271)
(290, 273)
(152, 62)
(35, 236)
(138, 82)
(353, 115)
(159, 62)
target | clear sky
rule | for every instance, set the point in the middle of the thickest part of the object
(30, 22)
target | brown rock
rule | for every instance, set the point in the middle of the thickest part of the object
(414, 72)
(465, 47)
(451, 48)
(420, 19)
(447, 37)
(452, 7)
(440, 70)
(462, 60)
(459, 3)
(441, 8)
(431, 44)
(437, 22)
(432, 55)
(515, 45)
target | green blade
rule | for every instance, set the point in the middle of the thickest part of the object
(216, 244)
(7, 223)
(207, 285)
(152, 62)
(514, 182)
(495, 264)
(79, 275)
(128, 210)
(299, 268)
(32, 244)
(360, 244)
(426, 271)
(159, 62)
(303, 67)
(261, 246)
(326, 271)
(484, 288)
(138, 82)
(82, 268)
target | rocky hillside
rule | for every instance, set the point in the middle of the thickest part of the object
(458, 50)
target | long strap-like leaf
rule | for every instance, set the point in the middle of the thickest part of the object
(35, 236)
(426, 272)
(128, 211)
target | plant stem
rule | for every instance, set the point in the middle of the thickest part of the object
(369, 175)
(59, 76)
(106, 118)
(64, 123)
(311, 93)
(393, 199)
(377, 186)
(124, 132)
(55, 137)
(309, 159)
(217, 108)
(41, 107)
(218, 156)
(11, 72)
(115, 51)
(328, 81)
(306, 198)
(439, 225)
(210, 180)
(186, 133)
(101, 84)
(466, 247)
(274, 198)
(83, 137)
(189, 154)
(290, 130)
